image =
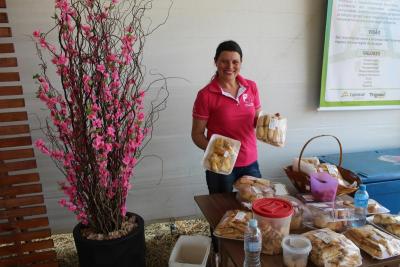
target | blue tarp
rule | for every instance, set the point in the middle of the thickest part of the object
(370, 166)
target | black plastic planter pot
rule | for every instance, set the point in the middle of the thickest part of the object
(127, 251)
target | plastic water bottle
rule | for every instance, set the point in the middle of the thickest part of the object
(252, 245)
(361, 206)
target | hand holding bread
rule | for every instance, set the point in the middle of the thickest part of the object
(221, 154)
(271, 129)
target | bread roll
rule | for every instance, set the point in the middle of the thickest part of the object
(385, 219)
(260, 132)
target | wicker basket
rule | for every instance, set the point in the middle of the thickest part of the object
(301, 180)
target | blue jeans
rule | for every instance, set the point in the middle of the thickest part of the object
(220, 183)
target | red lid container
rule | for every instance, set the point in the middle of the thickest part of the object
(272, 208)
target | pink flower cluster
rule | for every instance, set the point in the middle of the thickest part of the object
(98, 114)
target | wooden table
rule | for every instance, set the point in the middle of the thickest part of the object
(214, 207)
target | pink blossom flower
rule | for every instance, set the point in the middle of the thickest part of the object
(95, 108)
(72, 207)
(62, 5)
(107, 147)
(57, 154)
(141, 116)
(115, 75)
(36, 33)
(62, 202)
(127, 159)
(86, 28)
(39, 143)
(43, 42)
(62, 60)
(82, 217)
(98, 142)
(111, 131)
(97, 123)
(101, 68)
(92, 116)
(111, 57)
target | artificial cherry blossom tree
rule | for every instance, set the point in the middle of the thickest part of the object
(100, 118)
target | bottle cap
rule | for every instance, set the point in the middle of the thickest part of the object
(363, 187)
(253, 223)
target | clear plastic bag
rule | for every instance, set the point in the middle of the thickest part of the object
(307, 165)
(376, 243)
(387, 222)
(330, 249)
(271, 129)
(251, 188)
(221, 154)
(233, 224)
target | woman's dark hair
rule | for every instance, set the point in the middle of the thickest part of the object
(227, 46)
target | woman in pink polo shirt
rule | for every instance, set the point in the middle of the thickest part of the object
(229, 105)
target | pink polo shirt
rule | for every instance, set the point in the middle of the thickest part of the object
(231, 117)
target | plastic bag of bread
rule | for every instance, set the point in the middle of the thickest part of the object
(271, 129)
(251, 188)
(333, 249)
(393, 229)
(307, 165)
(386, 219)
(221, 153)
(376, 243)
(389, 222)
(233, 224)
(334, 172)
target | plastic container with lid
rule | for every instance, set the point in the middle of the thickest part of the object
(221, 154)
(273, 216)
(295, 250)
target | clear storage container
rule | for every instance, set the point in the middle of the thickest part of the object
(295, 250)
(330, 215)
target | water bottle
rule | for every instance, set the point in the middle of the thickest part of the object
(252, 245)
(361, 206)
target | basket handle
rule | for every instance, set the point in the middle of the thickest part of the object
(318, 136)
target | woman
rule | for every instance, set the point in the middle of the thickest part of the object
(229, 105)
